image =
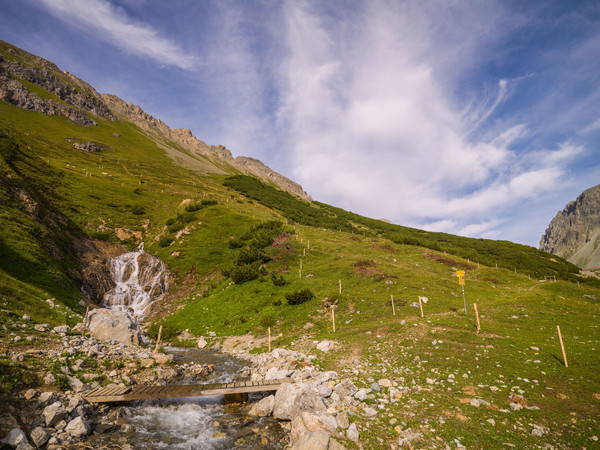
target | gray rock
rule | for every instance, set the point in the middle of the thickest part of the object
(375, 387)
(264, 407)
(370, 412)
(49, 379)
(54, 413)
(315, 440)
(42, 327)
(307, 422)
(15, 437)
(361, 394)
(515, 407)
(78, 427)
(342, 420)
(325, 345)
(202, 342)
(39, 436)
(62, 329)
(352, 433)
(292, 399)
(46, 397)
(345, 388)
(107, 324)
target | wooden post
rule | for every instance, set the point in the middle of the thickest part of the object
(308, 244)
(421, 306)
(477, 316)
(85, 318)
(393, 309)
(158, 340)
(269, 339)
(562, 346)
(300, 271)
(340, 286)
(303, 252)
(333, 317)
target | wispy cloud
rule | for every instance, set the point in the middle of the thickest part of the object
(375, 125)
(111, 24)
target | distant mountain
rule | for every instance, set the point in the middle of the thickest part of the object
(574, 233)
(35, 84)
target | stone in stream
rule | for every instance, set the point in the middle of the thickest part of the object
(264, 407)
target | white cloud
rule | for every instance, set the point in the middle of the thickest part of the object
(112, 25)
(376, 128)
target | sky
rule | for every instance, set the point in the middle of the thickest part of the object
(479, 118)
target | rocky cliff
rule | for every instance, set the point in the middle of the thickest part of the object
(574, 233)
(33, 83)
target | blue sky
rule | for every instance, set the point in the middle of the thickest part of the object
(478, 118)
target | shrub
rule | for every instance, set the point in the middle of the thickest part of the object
(278, 280)
(174, 228)
(249, 255)
(170, 221)
(186, 217)
(298, 297)
(193, 207)
(209, 202)
(138, 210)
(165, 241)
(9, 149)
(245, 272)
(235, 243)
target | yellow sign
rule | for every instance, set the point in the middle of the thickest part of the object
(461, 274)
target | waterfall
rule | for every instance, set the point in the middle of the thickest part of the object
(140, 279)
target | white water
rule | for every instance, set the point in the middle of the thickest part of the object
(140, 280)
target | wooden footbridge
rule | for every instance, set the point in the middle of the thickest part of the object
(149, 392)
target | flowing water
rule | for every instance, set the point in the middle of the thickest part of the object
(140, 279)
(195, 423)
(184, 423)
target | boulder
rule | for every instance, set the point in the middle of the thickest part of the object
(264, 407)
(39, 436)
(307, 422)
(162, 358)
(292, 399)
(15, 438)
(352, 432)
(54, 413)
(107, 325)
(78, 427)
(64, 329)
(325, 345)
(345, 388)
(202, 342)
(317, 440)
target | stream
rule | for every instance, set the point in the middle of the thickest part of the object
(194, 422)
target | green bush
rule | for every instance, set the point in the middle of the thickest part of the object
(194, 207)
(249, 255)
(245, 272)
(138, 210)
(175, 227)
(209, 202)
(298, 297)
(186, 217)
(9, 149)
(165, 241)
(278, 280)
(235, 243)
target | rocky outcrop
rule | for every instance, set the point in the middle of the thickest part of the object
(223, 161)
(574, 233)
(67, 95)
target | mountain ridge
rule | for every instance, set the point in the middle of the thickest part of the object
(574, 233)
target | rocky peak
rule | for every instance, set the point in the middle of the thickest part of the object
(574, 233)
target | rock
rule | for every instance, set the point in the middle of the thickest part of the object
(15, 438)
(161, 358)
(345, 389)
(515, 407)
(64, 329)
(39, 436)
(49, 379)
(317, 440)
(352, 433)
(342, 420)
(46, 397)
(107, 324)
(147, 362)
(42, 327)
(78, 427)
(202, 343)
(370, 412)
(75, 383)
(477, 402)
(54, 413)
(263, 407)
(292, 399)
(361, 394)
(375, 387)
(539, 430)
(325, 345)
(307, 422)
(384, 382)
(30, 394)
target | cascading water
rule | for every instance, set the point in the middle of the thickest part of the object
(140, 279)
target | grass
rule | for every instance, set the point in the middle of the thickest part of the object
(51, 193)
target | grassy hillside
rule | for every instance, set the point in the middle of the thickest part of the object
(235, 275)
